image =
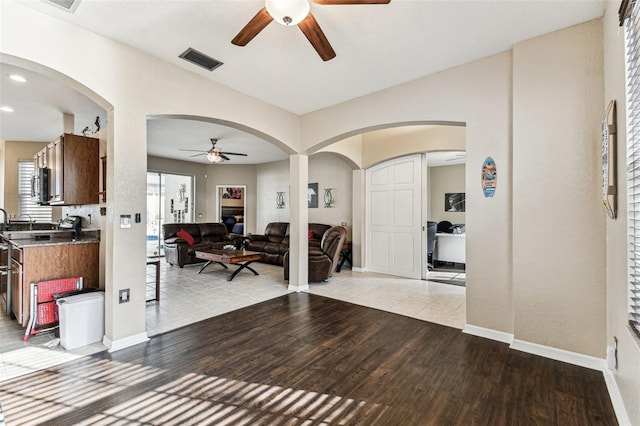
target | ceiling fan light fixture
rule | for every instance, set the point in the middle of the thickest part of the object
(214, 157)
(288, 12)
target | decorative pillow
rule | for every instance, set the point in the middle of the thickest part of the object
(310, 235)
(186, 236)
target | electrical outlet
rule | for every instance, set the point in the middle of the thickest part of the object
(123, 295)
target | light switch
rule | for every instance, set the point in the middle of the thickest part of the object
(125, 221)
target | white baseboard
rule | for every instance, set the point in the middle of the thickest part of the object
(356, 269)
(616, 398)
(116, 345)
(299, 288)
(574, 358)
(488, 333)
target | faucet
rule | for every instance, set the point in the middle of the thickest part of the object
(30, 220)
(5, 222)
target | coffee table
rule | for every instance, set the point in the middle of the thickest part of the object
(233, 257)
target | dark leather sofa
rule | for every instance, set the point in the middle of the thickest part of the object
(274, 243)
(206, 236)
(323, 259)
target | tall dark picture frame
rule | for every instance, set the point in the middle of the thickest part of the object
(312, 195)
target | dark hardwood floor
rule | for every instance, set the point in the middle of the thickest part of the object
(306, 359)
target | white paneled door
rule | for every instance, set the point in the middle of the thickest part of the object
(394, 228)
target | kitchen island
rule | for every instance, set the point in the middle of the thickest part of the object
(39, 256)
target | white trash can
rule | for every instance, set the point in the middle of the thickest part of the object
(81, 318)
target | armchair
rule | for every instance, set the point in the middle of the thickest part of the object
(323, 260)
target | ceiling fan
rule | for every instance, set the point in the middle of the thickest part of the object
(295, 12)
(215, 154)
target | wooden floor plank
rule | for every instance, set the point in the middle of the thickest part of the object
(307, 359)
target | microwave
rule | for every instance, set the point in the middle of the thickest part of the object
(40, 185)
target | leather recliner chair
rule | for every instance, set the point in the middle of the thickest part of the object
(275, 242)
(323, 260)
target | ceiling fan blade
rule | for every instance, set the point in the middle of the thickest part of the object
(198, 155)
(351, 1)
(233, 153)
(194, 150)
(224, 157)
(316, 37)
(255, 25)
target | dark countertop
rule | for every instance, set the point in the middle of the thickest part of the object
(32, 242)
(88, 236)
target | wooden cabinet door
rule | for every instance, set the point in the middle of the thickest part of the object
(56, 172)
(17, 296)
(81, 170)
(76, 169)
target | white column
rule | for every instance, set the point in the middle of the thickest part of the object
(125, 257)
(299, 223)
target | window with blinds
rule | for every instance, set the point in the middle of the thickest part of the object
(26, 205)
(631, 18)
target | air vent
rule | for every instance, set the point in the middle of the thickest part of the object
(68, 5)
(200, 59)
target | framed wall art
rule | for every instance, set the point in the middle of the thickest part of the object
(312, 195)
(454, 202)
(489, 177)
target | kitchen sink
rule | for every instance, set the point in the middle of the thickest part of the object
(30, 226)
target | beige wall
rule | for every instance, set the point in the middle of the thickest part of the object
(350, 148)
(382, 145)
(463, 94)
(2, 171)
(328, 170)
(627, 376)
(206, 177)
(483, 94)
(271, 178)
(558, 219)
(444, 179)
(155, 88)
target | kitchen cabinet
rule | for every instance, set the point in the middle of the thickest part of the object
(74, 169)
(3, 267)
(17, 299)
(47, 262)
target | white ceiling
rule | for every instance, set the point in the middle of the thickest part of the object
(169, 136)
(377, 46)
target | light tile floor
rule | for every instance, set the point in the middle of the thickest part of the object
(187, 297)
(429, 301)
